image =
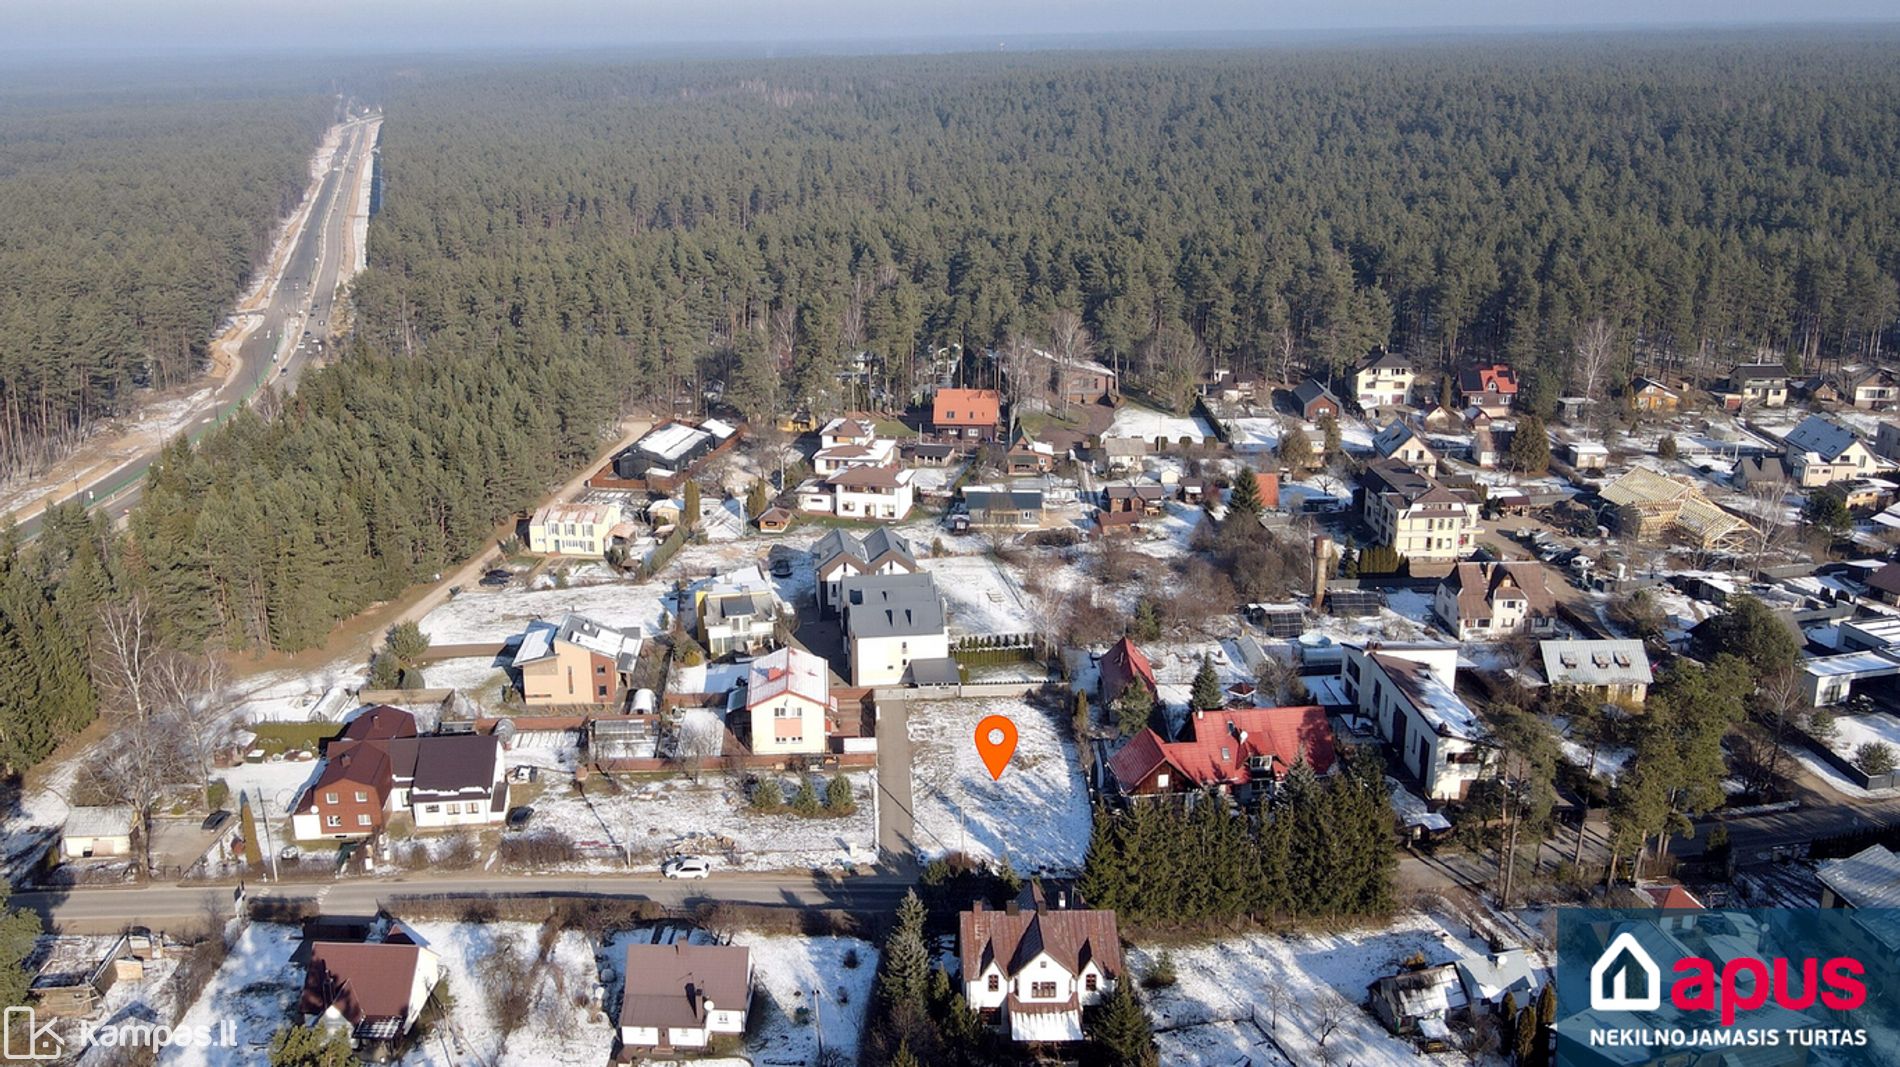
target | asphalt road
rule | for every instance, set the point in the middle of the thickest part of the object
(304, 299)
(110, 909)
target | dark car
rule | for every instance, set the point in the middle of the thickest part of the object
(215, 821)
(518, 818)
(497, 579)
(782, 567)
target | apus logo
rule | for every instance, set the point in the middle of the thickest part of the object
(1610, 979)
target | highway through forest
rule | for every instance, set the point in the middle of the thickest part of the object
(302, 289)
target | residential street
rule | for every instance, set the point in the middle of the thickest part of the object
(101, 910)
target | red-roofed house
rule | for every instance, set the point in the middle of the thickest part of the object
(967, 414)
(1491, 388)
(1033, 971)
(380, 723)
(1233, 750)
(788, 703)
(372, 991)
(1123, 666)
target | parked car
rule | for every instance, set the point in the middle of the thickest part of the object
(215, 821)
(496, 579)
(686, 867)
(782, 567)
(518, 818)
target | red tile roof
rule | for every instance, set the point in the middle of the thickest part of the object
(966, 407)
(1496, 378)
(379, 723)
(1072, 938)
(1221, 743)
(1269, 483)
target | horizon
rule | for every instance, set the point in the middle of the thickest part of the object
(135, 29)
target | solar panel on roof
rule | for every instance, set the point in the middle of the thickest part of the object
(1284, 624)
(1354, 602)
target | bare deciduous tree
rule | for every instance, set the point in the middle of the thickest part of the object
(1596, 345)
(125, 658)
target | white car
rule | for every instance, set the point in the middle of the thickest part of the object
(686, 867)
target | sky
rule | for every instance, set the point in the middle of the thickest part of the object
(133, 26)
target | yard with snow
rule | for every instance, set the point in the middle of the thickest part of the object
(1221, 1009)
(1036, 816)
(816, 973)
(1157, 427)
(256, 988)
(649, 819)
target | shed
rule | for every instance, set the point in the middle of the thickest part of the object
(97, 831)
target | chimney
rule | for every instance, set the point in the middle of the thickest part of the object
(1014, 907)
(1322, 567)
(976, 905)
(1062, 898)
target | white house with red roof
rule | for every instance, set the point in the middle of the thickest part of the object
(1491, 388)
(788, 703)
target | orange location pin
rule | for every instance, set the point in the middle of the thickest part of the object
(996, 743)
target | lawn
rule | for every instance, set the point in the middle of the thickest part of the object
(275, 738)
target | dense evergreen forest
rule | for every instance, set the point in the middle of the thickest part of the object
(128, 224)
(557, 241)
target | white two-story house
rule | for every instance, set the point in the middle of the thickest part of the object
(1487, 599)
(788, 703)
(881, 493)
(1407, 692)
(890, 622)
(1032, 970)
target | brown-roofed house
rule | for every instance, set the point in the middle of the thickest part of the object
(1122, 666)
(1033, 971)
(380, 723)
(441, 780)
(1487, 599)
(371, 991)
(679, 996)
(967, 414)
(1885, 584)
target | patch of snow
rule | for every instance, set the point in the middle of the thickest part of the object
(1036, 815)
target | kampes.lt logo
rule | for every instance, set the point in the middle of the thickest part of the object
(1627, 978)
(24, 1037)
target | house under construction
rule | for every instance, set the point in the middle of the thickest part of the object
(1649, 503)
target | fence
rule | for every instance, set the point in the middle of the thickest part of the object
(1846, 766)
(404, 696)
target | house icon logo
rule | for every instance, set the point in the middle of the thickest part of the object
(1610, 978)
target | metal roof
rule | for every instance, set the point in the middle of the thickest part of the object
(1596, 663)
(891, 605)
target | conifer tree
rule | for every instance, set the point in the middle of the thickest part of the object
(756, 500)
(1122, 1030)
(905, 981)
(1133, 709)
(689, 505)
(1243, 501)
(1206, 694)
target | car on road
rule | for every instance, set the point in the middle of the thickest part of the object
(520, 817)
(686, 867)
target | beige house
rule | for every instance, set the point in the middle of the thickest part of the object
(1762, 384)
(1400, 442)
(575, 661)
(574, 529)
(1384, 380)
(1615, 670)
(1425, 522)
(789, 703)
(1821, 452)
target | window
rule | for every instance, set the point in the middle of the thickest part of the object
(329, 798)
(996, 983)
(1090, 983)
(600, 668)
(1042, 990)
(362, 797)
(333, 821)
(362, 820)
(600, 690)
(433, 809)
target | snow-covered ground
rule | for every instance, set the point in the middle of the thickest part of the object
(651, 818)
(1216, 1013)
(1133, 420)
(1036, 815)
(256, 989)
(1876, 727)
(556, 1031)
(814, 973)
(983, 596)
